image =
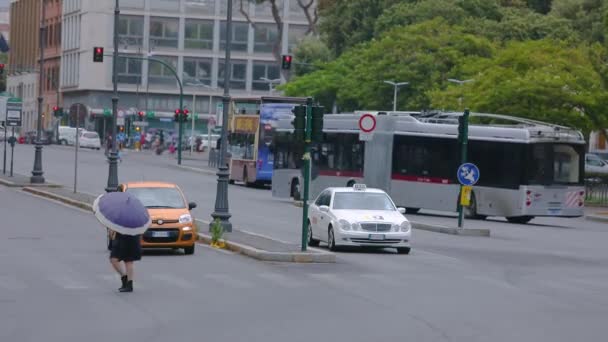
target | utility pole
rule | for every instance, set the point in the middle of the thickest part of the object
(37, 173)
(307, 141)
(463, 135)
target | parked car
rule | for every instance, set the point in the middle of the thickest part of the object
(67, 135)
(89, 140)
(595, 165)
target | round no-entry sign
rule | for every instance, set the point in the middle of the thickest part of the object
(367, 123)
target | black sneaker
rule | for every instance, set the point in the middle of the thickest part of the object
(127, 288)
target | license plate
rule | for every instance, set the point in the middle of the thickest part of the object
(160, 234)
(376, 236)
(556, 211)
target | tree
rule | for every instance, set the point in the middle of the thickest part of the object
(545, 80)
(587, 16)
(422, 54)
(311, 53)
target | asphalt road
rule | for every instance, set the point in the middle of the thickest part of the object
(545, 281)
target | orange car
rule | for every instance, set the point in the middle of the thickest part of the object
(173, 225)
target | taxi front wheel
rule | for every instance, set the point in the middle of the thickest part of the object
(331, 240)
(311, 241)
(403, 250)
(189, 250)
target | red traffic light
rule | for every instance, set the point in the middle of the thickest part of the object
(1, 65)
(186, 111)
(55, 109)
(286, 62)
(141, 114)
(98, 54)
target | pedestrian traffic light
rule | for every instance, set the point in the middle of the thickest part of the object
(286, 65)
(97, 54)
(57, 111)
(141, 114)
(317, 123)
(299, 121)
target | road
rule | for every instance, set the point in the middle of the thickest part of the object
(545, 281)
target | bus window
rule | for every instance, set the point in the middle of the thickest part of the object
(555, 164)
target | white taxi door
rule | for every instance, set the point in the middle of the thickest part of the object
(317, 217)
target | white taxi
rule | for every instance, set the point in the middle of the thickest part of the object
(358, 216)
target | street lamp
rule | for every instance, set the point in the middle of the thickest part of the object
(396, 85)
(221, 196)
(461, 83)
(37, 173)
(270, 82)
(113, 155)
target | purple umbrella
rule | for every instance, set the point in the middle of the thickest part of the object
(122, 212)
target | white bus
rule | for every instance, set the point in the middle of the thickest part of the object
(527, 168)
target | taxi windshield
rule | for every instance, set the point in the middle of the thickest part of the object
(159, 197)
(362, 201)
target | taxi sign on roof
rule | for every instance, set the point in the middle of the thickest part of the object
(359, 187)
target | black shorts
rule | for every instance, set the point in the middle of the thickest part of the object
(126, 248)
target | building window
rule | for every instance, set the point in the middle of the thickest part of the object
(131, 30)
(160, 74)
(199, 34)
(164, 32)
(197, 71)
(295, 36)
(265, 38)
(264, 70)
(264, 9)
(238, 74)
(200, 6)
(129, 70)
(240, 36)
(236, 8)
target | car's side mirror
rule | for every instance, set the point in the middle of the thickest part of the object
(324, 208)
(401, 210)
(191, 205)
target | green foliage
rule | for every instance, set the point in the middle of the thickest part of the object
(422, 54)
(544, 80)
(312, 52)
(217, 231)
(588, 17)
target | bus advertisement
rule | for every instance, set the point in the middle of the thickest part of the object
(528, 168)
(251, 129)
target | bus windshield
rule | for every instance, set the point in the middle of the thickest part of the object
(555, 164)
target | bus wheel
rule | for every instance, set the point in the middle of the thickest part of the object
(519, 219)
(412, 210)
(470, 211)
(245, 178)
(295, 190)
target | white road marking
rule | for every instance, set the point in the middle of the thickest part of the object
(280, 279)
(229, 281)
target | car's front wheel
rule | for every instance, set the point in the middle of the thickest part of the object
(331, 239)
(311, 241)
(403, 250)
(189, 250)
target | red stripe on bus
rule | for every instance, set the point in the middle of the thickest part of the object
(409, 178)
(358, 174)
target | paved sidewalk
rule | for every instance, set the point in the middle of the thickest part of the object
(19, 181)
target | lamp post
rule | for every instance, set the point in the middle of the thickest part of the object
(396, 85)
(37, 173)
(270, 82)
(113, 155)
(221, 211)
(461, 83)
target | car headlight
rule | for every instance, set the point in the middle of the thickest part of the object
(395, 227)
(187, 229)
(355, 226)
(186, 218)
(406, 226)
(345, 225)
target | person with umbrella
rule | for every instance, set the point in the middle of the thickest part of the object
(128, 219)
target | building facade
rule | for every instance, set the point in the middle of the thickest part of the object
(190, 36)
(25, 87)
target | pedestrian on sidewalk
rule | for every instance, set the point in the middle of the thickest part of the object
(127, 219)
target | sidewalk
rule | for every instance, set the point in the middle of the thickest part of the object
(20, 181)
(253, 245)
(599, 216)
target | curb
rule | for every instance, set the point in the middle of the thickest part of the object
(258, 254)
(49, 195)
(452, 231)
(196, 169)
(20, 185)
(596, 218)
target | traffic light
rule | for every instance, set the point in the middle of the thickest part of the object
(286, 65)
(317, 123)
(185, 113)
(463, 127)
(141, 114)
(2, 68)
(98, 54)
(57, 111)
(299, 121)
(176, 115)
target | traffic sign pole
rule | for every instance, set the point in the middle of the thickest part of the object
(307, 141)
(12, 148)
(464, 141)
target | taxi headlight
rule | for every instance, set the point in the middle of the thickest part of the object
(344, 225)
(356, 226)
(395, 227)
(187, 229)
(186, 218)
(406, 226)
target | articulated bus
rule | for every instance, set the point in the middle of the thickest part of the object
(251, 125)
(527, 168)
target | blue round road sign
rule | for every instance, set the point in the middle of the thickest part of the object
(468, 174)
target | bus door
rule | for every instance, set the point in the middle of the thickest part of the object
(379, 154)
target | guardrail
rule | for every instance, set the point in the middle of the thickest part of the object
(596, 191)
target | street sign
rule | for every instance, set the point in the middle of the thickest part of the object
(465, 195)
(367, 125)
(120, 121)
(468, 174)
(13, 112)
(141, 123)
